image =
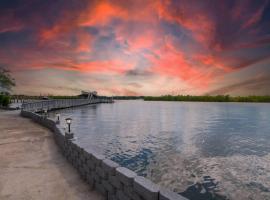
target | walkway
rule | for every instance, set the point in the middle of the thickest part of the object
(32, 167)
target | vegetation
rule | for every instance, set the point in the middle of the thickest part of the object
(4, 100)
(6, 81)
(127, 97)
(63, 97)
(207, 98)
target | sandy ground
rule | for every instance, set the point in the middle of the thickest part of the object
(31, 165)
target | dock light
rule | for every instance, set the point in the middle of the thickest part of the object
(45, 112)
(68, 134)
(68, 120)
(58, 116)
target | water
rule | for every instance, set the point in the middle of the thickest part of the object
(177, 144)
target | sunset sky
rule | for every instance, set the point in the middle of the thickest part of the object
(137, 47)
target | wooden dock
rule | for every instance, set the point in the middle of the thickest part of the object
(54, 104)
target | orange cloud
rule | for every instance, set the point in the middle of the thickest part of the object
(212, 61)
(101, 14)
(112, 66)
(170, 61)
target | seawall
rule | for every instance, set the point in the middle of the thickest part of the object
(107, 177)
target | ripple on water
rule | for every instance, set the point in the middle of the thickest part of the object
(239, 177)
(177, 144)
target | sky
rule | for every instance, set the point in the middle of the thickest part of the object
(137, 47)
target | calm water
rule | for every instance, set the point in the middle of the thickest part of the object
(177, 144)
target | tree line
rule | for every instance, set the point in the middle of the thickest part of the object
(208, 98)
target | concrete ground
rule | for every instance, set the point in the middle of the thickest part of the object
(31, 165)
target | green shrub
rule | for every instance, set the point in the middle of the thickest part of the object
(1, 98)
(5, 101)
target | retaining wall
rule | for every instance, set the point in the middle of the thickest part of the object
(104, 175)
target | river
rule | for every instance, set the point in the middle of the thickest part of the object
(178, 144)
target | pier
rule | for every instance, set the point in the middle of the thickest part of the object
(39, 106)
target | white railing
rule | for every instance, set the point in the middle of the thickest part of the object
(60, 103)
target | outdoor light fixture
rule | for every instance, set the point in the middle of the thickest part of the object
(45, 112)
(68, 120)
(68, 134)
(58, 117)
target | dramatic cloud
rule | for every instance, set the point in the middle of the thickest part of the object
(144, 47)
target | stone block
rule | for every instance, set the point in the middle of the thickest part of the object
(97, 178)
(130, 192)
(146, 188)
(86, 168)
(90, 180)
(112, 197)
(108, 187)
(109, 166)
(115, 182)
(165, 194)
(102, 173)
(91, 164)
(99, 187)
(125, 175)
(121, 195)
(136, 196)
(83, 158)
(97, 158)
(81, 171)
(87, 155)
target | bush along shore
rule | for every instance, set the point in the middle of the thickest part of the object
(4, 100)
(206, 98)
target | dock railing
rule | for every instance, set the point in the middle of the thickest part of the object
(60, 103)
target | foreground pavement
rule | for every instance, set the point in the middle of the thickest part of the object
(31, 165)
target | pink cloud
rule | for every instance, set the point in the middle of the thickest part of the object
(172, 62)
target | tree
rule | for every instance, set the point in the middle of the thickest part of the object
(6, 81)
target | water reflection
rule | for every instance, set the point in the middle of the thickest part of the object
(207, 190)
(176, 144)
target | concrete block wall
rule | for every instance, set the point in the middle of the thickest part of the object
(104, 175)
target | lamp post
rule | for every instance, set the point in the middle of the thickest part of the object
(58, 117)
(45, 113)
(68, 120)
(69, 135)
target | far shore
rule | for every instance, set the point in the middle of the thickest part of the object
(206, 98)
